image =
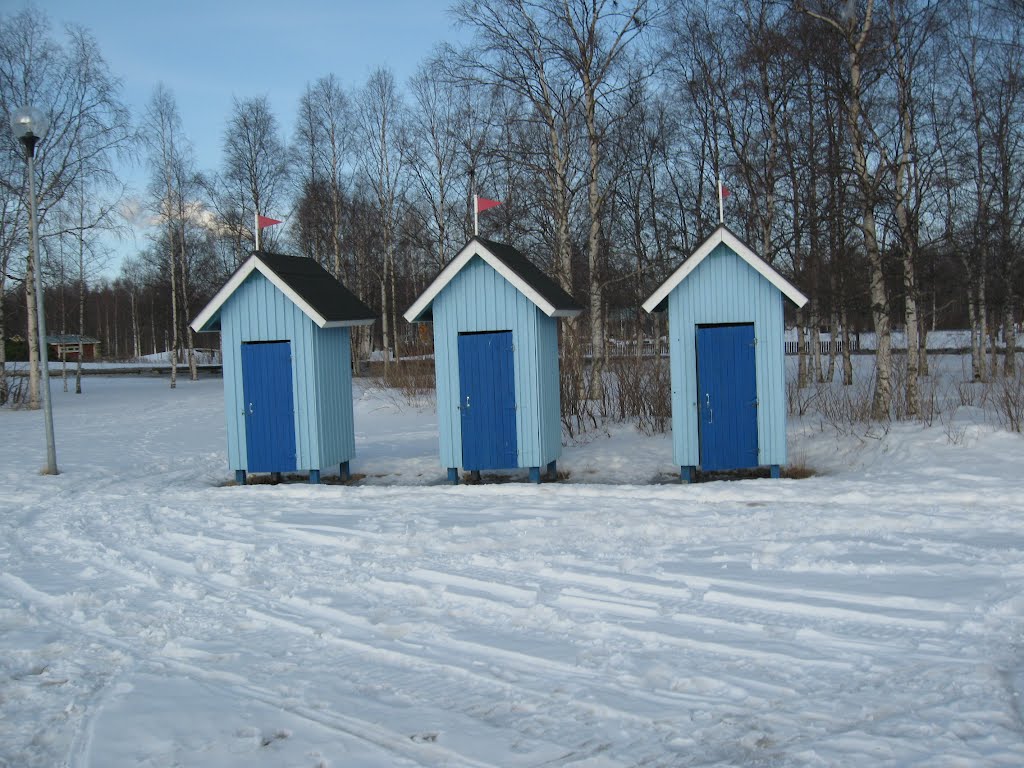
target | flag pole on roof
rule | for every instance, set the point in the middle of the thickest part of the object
(261, 222)
(723, 192)
(481, 204)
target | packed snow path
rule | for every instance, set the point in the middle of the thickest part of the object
(150, 616)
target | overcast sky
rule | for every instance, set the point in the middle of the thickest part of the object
(208, 51)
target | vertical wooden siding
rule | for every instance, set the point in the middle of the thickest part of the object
(725, 289)
(550, 390)
(479, 299)
(258, 311)
(336, 423)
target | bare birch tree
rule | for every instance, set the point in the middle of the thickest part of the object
(854, 28)
(434, 150)
(324, 137)
(169, 159)
(89, 128)
(255, 175)
(380, 111)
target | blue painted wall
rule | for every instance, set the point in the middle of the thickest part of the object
(322, 378)
(725, 289)
(335, 420)
(479, 299)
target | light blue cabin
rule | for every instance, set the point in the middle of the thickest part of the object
(496, 360)
(284, 323)
(727, 357)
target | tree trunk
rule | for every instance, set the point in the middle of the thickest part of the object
(152, 324)
(1010, 335)
(856, 40)
(4, 389)
(81, 330)
(847, 354)
(922, 343)
(802, 375)
(993, 349)
(81, 297)
(385, 318)
(833, 346)
(394, 306)
(913, 342)
(594, 204)
(190, 339)
(136, 338)
(983, 329)
(882, 398)
(174, 314)
(64, 360)
(972, 318)
(336, 222)
(816, 343)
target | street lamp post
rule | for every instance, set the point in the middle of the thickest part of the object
(29, 126)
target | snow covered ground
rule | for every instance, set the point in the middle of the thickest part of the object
(150, 615)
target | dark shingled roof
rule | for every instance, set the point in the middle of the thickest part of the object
(520, 272)
(317, 287)
(531, 275)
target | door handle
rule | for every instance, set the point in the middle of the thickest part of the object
(467, 401)
(711, 412)
(250, 409)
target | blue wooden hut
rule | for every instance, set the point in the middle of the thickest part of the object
(727, 357)
(284, 323)
(496, 360)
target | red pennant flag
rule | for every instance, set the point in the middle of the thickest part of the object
(482, 204)
(264, 221)
(725, 191)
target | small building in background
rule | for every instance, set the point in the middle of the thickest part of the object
(67, 346)
(284, 323)
(727, 357)
(495, 318)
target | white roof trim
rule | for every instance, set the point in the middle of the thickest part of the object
(253, 263)
(476, 248)
(723, 235)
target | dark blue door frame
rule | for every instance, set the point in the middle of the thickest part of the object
(727, 397)
(268, 406)
(487, 401)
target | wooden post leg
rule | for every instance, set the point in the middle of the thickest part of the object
(553, 470)
(475, 474)
(346, 475)
(240, 476)
(453, 475)
(314, 477)
(535, 475)
(686, 474)
(776, 471)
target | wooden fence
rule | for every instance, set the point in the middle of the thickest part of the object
(792, 348)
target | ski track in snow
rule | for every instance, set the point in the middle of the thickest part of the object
(150, 616)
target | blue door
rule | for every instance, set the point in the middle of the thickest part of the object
(727, 397)
(269, 413)
(487, 401)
